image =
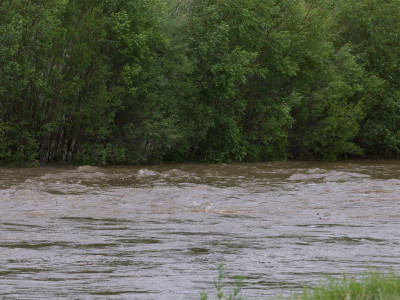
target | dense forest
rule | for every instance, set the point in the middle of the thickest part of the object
(143, 81)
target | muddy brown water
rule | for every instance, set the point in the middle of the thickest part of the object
(159, 232)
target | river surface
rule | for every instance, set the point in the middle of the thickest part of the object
(159, 232)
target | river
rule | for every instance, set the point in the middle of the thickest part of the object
(159, 232)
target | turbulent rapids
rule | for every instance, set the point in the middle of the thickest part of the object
(159, 232)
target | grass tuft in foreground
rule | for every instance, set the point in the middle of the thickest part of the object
(372, 286)
(220, 284)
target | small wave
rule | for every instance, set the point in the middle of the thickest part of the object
(146, 173)
(82, 172)
(393, 181)
(176, 172)
(327, 176)
(343, 176)
(302, 177)
(317, 170)
(87, 168)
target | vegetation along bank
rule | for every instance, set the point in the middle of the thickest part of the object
(139, 81)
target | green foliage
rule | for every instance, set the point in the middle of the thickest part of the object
(373, 28)
(328, 117)
(17, 147)
(147, 82)
(142, 81)
(241, 51)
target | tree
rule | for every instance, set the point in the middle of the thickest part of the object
(372, 27)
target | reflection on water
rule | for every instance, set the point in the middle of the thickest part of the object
(159, 232)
